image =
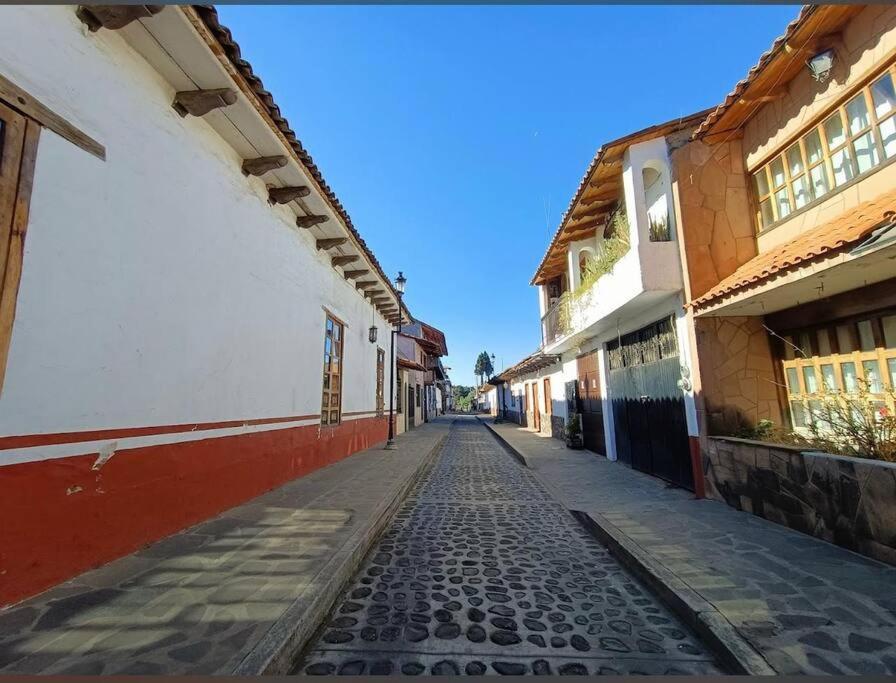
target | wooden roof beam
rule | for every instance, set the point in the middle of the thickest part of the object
(352, 274)
(284, 195)
(324, 244)
(201, 102)
(311, 220)
(114, 17)
(344, 260)
(261, 165)
(367, 284)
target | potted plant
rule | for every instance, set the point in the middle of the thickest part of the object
(574, 433)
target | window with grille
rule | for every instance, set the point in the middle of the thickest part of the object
(331, 404)
(851, 141)
(848, 357)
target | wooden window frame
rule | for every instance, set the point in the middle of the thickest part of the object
(19, 137)
(380, 381)
(793, 359)
(826, 163)
(327, 392)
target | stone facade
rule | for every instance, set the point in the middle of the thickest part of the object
(737, 373)
(847, 501)
(558, 427)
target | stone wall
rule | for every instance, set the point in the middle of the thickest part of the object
(558, 427)
(847, 501)
(737, 374)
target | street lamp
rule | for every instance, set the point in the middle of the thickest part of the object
(400, 282)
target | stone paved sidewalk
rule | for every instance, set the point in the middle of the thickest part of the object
(225, 595)
(807, 606)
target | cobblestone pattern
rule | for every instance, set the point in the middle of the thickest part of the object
(482, 572)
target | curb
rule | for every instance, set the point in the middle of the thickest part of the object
(278, 649)
(733, 651)
(507, 447)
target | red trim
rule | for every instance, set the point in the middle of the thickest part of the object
(28, 440)
(61, 517)
(697, 467)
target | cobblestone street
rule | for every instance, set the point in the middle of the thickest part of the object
(483, 572)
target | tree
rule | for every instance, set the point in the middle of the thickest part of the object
(483, 367)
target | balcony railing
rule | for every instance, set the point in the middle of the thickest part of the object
(556, 322)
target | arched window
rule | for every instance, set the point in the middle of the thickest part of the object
(586, 257)
(659, 222)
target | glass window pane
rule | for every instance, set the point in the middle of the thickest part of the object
(887, 132)
(798, 414)
(329, 324)
(866, 335)
(816, 414)
(842, 164)
(795, 160)
(337, 331)
(334, 417)
(819, 179)
(848, 372)
(793, 382)
(813, 147)
(765, 212)
(891, 365)
(809, 380)
(761, 183)
(801, 193)
(866, 152)
(857, 114)
(872, 376)
(883, 95)
(828, 377)
(833, 131)
(777, 169)
(782, 201)
(824, 343)
(845, 339)
(889, 324)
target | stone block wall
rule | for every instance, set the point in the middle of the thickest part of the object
(738, 385)
(847, 501)
(558, 427)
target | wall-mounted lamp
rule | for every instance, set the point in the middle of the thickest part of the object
(371, 334)
(820, 65)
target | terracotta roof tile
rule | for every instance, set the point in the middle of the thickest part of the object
(825, 240)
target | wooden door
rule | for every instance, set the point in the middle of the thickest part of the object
(589, 403)
(536, 412)
(548, 403)
(18, 151)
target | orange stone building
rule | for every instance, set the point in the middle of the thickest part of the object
(785, 195)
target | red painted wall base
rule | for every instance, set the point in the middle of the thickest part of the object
(697, 467)
(61, 518)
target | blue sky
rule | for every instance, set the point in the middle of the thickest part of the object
(455, 136)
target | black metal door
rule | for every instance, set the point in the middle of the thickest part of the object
(411, 407)
(648, 407)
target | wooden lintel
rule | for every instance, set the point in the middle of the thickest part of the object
(344, 260)
(262, 165)
(114, 17)
(352, 274)
(19, 99)
(311, 220)
(323, 245)
(284, 195)
(201, 102)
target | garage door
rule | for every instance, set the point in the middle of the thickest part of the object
(648, 406)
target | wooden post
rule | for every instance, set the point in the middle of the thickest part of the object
(344, 260)
(201, 102)
(284, 195)
(262, 165)
(311, 220)
(330, 243)
(114, 17)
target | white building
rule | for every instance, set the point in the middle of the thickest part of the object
(182, 290)
(615, 343)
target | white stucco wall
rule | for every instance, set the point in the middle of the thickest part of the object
(158, 287)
